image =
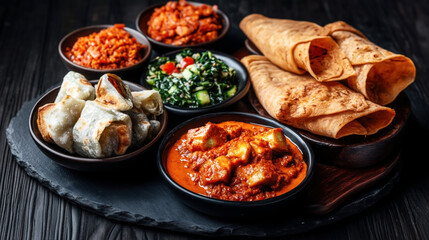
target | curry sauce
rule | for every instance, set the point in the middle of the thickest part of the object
(236, 161)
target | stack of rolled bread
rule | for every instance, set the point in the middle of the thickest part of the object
(331, 80)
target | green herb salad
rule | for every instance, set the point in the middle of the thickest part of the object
(192, 79)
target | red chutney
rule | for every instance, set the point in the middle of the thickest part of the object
(236, 161)
(111, 48)
(182, 23)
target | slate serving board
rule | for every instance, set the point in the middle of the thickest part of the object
(137, 194)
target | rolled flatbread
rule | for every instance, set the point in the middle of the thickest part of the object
(77, 86)
(298, 47)
(149, 101)
(141, 126)
(155, 127)
(381, 74)
(328, 109)
(144, 129)
(101, 131)
(56, 120)
(114, 93)
(147, 104)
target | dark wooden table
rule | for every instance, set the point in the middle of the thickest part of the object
(30, 64)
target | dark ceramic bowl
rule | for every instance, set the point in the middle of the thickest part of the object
(144, 16)
(132, 72)
(243, 85)
(76, 162)
(223, 208)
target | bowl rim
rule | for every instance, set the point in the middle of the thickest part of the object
(237, 96)
(223, 32)
(131, 31)
(305, 149)
(81, 159)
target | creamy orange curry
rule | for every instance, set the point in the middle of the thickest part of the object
(236, 161)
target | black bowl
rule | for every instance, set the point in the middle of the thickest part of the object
(242, 87)
(223, 208)
(132, 72)
(144, 16)
(76, 162)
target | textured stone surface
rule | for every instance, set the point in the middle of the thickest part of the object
(138, 195)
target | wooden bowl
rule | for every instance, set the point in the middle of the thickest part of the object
(76, 162)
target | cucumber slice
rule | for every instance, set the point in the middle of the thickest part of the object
(172, 89)
(199, 88)
(231, 91)
(189, 71)
(150, 81)
(203, 97)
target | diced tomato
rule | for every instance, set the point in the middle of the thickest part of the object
(186, 62)
(169, 68)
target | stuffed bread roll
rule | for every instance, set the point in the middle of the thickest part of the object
(114, 93)
(298, 47)
(328, 109)
(144, 129)
(381, 74)
(141, 127)
(147, 105)
(149, 101)
(156, 126)
(56, 120)
(101, 131)
(77, 86)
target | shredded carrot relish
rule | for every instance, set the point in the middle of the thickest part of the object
(110, 48)
(180, 23)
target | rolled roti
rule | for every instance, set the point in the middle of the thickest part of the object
(147, 104)
(141, 127)
(298, 47)
(101, 131)
(56, 120)
(381, 74)
(77, 86)
(149, 101)
(328, 109)
(114, 93)
(144, 129)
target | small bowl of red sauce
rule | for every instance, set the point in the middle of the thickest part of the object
(99, 49)
(234, 164)
(182, 24)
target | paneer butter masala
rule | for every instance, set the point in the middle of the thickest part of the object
(236, 161)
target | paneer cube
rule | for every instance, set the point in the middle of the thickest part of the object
(234, 131)
(262, 173)
(216, 170)
(261, 149)
(239, 152)
(276, 139)
(206, 137)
